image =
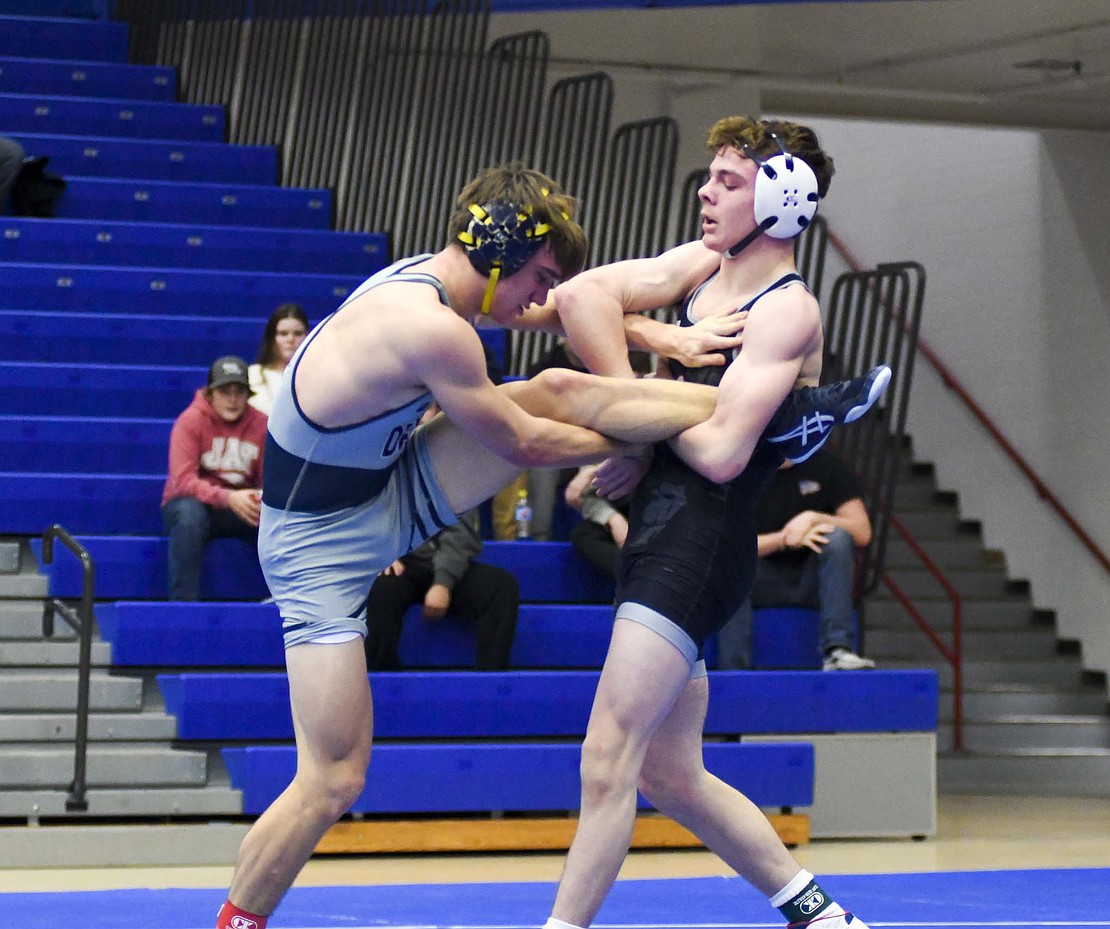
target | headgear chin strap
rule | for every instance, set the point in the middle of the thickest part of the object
(785, 196)
(499, 240)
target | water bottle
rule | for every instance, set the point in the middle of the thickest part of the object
(523, 515)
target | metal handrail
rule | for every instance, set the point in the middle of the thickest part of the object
(81, 621)
(953, 654)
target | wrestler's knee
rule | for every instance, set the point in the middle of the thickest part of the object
(601, 768)
(666, 785)
(334, 788)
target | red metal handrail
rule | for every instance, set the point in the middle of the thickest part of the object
(953, 654)
(995, 433)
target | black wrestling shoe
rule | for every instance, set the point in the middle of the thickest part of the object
(806, 418)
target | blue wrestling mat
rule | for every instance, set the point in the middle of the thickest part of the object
(1034, 899)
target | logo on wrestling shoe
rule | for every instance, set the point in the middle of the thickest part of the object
(241, 922)
(818, 424)
(812, 903)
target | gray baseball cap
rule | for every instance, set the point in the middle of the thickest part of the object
(228, 370)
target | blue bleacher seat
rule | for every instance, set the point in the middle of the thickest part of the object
(40, 337)
(135, 567)
(555, 571)
(75, 78)
(157, 245)
(195, 634)
(254, 706)
(216, 203)
(65, 38)
(71, 444)
(146, 391)
(170, 290)
(74, 9)
(121, 504)
(511, 777)
(132, 119)
(152, 159)
(786, 637)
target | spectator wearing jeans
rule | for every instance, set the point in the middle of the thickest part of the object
(811, 519)
(215, 474)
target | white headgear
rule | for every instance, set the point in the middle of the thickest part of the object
(785, 196)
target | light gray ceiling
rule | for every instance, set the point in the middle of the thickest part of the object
(1006, 62)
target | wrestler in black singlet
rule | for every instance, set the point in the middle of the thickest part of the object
(691, 550)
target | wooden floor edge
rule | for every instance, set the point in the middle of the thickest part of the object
(396, 836)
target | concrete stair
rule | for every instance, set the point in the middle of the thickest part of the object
(134, 768)
(1033, 721)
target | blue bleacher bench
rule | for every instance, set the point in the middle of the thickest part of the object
(141, 391)
(220, 203)
(170, 291)
(64, 38)
(194, 246)
(134, 568)
(164, 634)
(84, 445)
(254, 706)
(129, 567)
(511, 777)
(129, 119)
(121, 338)
(75, 156)
(74, 78)
(119, 504)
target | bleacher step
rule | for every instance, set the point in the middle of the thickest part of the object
(129, 765)
(1044, 732)
(22, 619)
(105, 846)
(9, 557)
(884, 612)
(46, 654)
(1048, 671)
(103, 727)
(1051, 773)
(26, 691)
(1002, 644)
(1013, 699)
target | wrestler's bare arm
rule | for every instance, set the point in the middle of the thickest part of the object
(592, 305)
(782, 333)
(452, 366)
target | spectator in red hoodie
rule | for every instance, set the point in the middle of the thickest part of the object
(213, 489)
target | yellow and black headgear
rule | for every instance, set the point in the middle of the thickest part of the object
(499, 240)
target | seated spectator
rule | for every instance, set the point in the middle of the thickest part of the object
(215, 474)
(811, 519)
(443, 575)
(600, 535)
(285, 331)
(11, 163)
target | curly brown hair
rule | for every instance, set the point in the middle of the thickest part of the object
(532, 191)
(738, 131)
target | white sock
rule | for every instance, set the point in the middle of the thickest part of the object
(553, 923)
(791, 890)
